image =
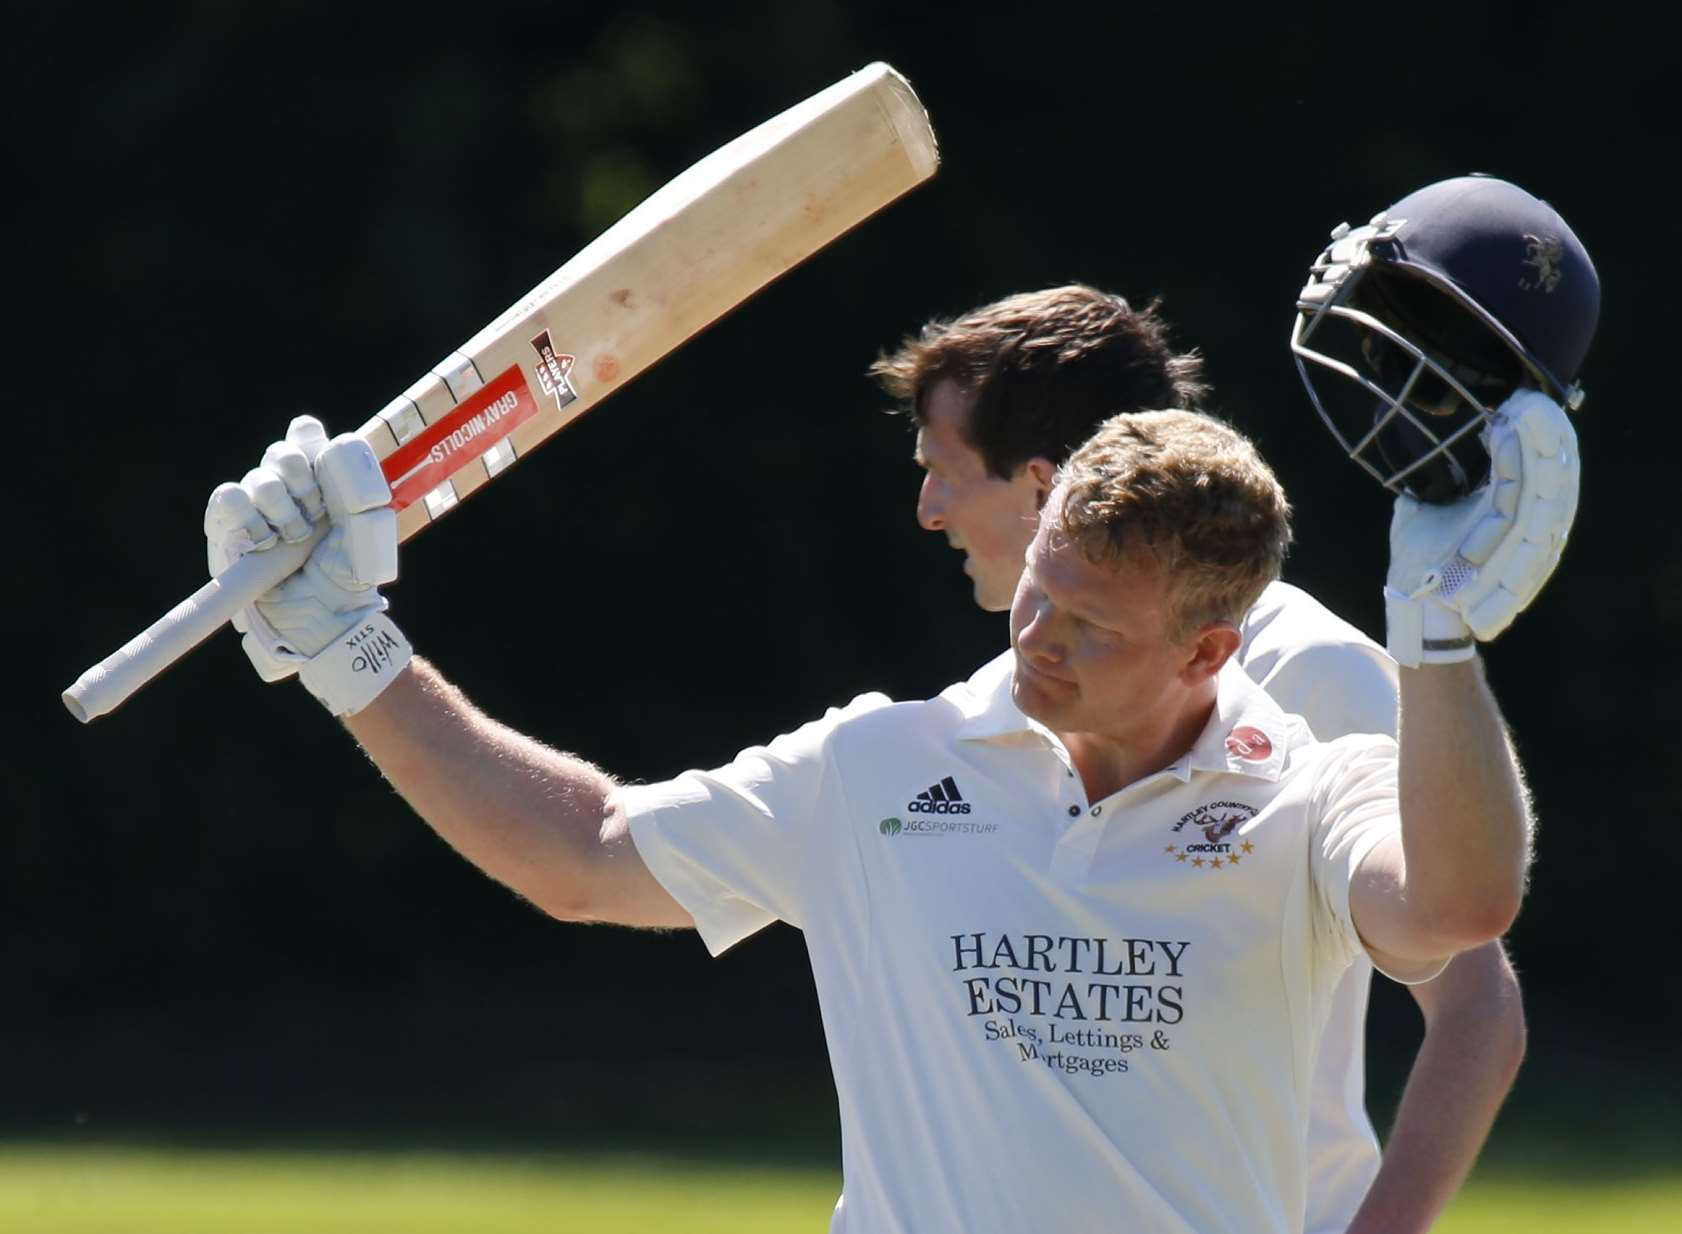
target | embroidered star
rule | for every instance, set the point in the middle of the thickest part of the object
(1232, 860)
(1248, 847)
(1197, 861)
(1215, 864)
(1179, 856)
(1169, 849)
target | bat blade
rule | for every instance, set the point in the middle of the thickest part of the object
(698, 247)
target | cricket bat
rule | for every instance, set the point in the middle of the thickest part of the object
(690, 253)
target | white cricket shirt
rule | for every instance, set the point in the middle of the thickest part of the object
(1043, 1013)
(1320, 667)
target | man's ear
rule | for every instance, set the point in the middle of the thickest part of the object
(1043, 472)
(1208, 650)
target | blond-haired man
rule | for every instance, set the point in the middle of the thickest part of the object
(1073, 923)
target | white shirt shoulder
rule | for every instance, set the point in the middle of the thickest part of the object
(740, 853)
(1317, 665)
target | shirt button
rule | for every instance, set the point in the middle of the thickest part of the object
(1097, 810)
(1074, 811)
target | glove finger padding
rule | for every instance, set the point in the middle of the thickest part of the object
(1466, 569)
(308, 434)
(268, 494)
(249, 517)
(326, 622)
(358, 498)
(350, 477)
(293, 466)
(232, 527)
(1507, 581)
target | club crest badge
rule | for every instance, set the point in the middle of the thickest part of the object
(1209, 836)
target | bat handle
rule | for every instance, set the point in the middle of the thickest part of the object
(107, 684)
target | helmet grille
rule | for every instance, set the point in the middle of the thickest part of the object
(1417, 378)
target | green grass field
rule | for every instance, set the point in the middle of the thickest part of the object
(201, 1191)
(1537, 1206)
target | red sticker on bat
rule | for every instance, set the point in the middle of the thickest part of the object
(471, 428)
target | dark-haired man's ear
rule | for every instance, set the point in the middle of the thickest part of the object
(1043, 472)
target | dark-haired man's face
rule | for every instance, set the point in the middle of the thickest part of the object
(991, 520)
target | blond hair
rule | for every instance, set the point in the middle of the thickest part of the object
(1193, 493)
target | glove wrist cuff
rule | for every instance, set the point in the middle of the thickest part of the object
(1423, 631)
(357, 666)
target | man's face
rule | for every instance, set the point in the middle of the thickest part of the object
(1091, 641)
(990, 519)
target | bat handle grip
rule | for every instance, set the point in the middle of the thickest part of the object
(107, 684)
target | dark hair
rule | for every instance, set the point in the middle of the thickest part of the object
(1045, 369)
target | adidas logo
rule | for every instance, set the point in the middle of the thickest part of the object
(941, 798)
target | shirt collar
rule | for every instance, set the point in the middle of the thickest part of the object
(1247, 733)
(985, 703)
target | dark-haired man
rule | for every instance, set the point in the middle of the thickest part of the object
(1000, 397)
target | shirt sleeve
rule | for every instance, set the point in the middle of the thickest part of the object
(1355, 807)
(1339, 688)
(731, 844)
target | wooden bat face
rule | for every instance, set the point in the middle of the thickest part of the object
(693, 251)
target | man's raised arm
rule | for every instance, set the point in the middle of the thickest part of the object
(1455, 876)
(534, 819)
(1460, 572)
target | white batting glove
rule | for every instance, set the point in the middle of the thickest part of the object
(1460, 573)
(326, 623)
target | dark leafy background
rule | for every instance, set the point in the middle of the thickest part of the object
(220, 215)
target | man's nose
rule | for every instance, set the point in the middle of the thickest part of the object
(931, 504)
(1035, 638)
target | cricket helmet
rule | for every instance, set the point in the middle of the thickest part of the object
(1430, 316)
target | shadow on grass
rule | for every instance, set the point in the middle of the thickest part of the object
(716, 1120)
(1567, 1120)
